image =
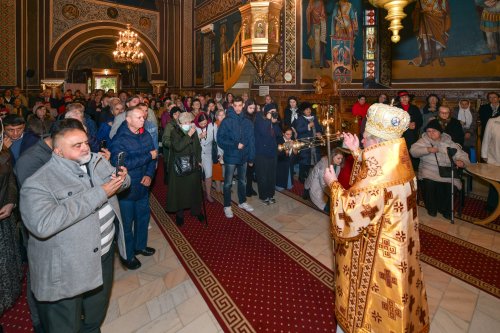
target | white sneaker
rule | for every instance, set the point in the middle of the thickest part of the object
(246, 207)
(228, 212)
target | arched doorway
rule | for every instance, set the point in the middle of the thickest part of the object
(92, 64)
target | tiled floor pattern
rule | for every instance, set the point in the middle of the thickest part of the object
(160, 296)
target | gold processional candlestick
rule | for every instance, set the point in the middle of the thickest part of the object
(312, 142)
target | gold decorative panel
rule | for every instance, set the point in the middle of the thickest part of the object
(8, 43)
(69, 14)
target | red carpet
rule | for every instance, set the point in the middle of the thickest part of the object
(473, 264)
(253, 279)
(17, 319)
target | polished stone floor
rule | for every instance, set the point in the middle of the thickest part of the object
(160, 296)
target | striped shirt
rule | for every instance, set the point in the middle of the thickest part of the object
(106, 219)
(106, 222)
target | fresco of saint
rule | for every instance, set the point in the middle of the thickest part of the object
(431, 23)
(316, 32)
(344, 21)
(344, 31)
(490, 24)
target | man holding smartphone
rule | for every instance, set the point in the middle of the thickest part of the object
(70, 208)
(135, 146)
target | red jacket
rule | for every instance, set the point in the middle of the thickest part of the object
(360, 110)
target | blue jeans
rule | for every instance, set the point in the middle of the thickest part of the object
(228, 180)
(135, 216)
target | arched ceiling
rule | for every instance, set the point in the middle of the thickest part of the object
(94, 54)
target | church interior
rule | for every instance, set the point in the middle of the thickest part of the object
(273, 268)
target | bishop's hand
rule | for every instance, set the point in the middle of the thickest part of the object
(329, 177)
(351, 141)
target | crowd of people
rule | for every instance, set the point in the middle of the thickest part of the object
(83, 164)
(436, 128)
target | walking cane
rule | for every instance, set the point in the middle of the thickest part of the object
(451, 153)
(202, 175)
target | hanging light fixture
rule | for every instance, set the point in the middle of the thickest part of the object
(395, 14)
(128, 50)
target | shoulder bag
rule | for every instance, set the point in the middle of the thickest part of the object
(444, 171)
(215, 150)
(185, 165)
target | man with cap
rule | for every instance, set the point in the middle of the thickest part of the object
(379, 282)
(411, 135)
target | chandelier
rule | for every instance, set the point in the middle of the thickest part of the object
(128, 50)
(395, 14)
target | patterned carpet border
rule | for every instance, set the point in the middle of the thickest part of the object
(221, 304)
(314, 267)
(467, 218)
(480, 284)
(472, 280)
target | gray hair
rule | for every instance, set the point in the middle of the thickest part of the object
(75, 106)
(185, 116)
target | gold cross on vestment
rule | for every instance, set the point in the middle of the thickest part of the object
(387, 196)
(411, 245)
(388, 278)
(411, 201)
(386, 248)
(391, 309)
(346, 218)
(369, 211)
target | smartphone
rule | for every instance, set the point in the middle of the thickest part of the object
(120, 161)
(103, 144)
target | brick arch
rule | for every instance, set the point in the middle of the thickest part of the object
(68, 44)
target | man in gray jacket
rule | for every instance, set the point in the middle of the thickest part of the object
(70, 208)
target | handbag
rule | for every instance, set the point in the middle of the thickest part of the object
(444, 171)
(184, 165)
(215, 148)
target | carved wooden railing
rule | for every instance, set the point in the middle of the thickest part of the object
(233, 62)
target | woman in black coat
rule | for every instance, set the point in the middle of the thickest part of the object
(291, 112)
(451, 126)
(184, 192)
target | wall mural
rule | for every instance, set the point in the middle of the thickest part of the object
(331, 39)
(445, 39)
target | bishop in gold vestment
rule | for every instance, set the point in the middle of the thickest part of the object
(379, 281)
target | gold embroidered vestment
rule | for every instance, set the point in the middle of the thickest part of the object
(378, 278)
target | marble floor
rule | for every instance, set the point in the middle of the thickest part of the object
(160, 296)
